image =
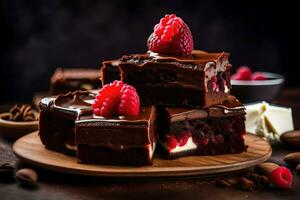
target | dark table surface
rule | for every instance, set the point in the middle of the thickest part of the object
(53, 185)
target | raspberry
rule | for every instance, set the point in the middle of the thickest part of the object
(130, 102)
(236, 77)
(116, 98)
(184, 138)
(258, 76)
(244, 73)
(171, 142)
(281, 177)
(171, 36)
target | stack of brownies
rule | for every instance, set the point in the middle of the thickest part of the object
(186, 110)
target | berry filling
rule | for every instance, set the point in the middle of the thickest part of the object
(211, 136)
(217, 83)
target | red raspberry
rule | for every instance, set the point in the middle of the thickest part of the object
(258, 76)
(116, 98)
(236, 76)
(184, 138)
(130, 102)
(171, 142)
(244, 73)
(108, 99)
(171, 36)
(281, 177)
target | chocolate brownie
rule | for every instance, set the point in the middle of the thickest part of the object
(199, 80)
(57, 119)
(70, 80)
(118, 140)
(219, 129)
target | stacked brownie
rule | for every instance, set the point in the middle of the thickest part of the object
(186, 107)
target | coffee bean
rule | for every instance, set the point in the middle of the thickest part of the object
(6, 171)
(27, 177)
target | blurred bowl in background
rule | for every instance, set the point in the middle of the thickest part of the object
(258, 90)
(14, 130)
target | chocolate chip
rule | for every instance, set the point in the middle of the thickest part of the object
(6, 171)
(27, 177)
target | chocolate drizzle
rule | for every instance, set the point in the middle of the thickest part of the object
(196, 60)
(142, 118)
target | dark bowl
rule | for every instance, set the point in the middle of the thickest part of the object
(254, 91)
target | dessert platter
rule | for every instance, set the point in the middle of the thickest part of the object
(166, 112)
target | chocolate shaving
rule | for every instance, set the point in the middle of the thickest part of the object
(21, 113)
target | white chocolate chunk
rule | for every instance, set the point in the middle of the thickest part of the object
(268, 121)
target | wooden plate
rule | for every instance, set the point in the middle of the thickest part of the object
(30, 150)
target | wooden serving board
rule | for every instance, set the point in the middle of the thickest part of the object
(30, 150)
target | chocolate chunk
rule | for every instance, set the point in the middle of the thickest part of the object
(27, 177)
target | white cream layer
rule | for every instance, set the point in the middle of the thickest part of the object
(190, 145)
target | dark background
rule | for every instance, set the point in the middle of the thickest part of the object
(38, 36)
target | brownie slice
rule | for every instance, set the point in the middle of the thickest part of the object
(219, 129)
(199, 80)
(57, 120)
(127, 141)
(70, 80)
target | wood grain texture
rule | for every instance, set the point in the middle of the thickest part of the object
(29, 149)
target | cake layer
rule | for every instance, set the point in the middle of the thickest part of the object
(166, 80)
(119, 140)
(57, 119)
(219, 129)
(70, 80)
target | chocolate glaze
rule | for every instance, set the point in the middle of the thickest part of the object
(157, 77)
(76, 102)
(196, 61)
